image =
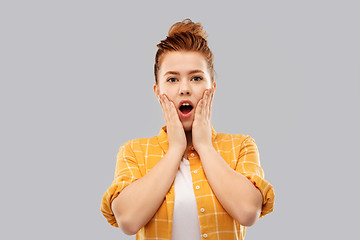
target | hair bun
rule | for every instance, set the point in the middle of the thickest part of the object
(185, 36)
(187, 26)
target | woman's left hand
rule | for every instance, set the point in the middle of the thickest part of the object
(201, 128)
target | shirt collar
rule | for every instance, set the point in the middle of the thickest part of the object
(163, 141)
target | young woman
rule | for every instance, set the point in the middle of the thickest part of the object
(189, 182)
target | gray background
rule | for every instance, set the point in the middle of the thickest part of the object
(76, 84)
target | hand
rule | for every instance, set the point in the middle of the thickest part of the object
(201, 128)
(175, 129)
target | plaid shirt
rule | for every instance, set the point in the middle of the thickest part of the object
(137, 157)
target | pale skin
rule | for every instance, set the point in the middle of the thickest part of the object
(244, 204)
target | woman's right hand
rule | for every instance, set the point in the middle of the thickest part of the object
(175, 129)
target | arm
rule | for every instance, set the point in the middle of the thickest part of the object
(137, 203)
(239, 197)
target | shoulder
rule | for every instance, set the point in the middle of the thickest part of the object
(140, 143)
(236, 139)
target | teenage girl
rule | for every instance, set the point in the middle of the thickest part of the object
(189, 182)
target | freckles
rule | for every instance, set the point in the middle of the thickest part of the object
(170, 92)
(164, 91)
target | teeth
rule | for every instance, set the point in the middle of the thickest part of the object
(185, 104)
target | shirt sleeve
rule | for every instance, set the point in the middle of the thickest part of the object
(126, 172)
(248, 164)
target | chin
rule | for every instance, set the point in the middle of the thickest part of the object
(187, 124)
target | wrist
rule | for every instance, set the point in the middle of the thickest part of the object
(176, 151)
(204, 149)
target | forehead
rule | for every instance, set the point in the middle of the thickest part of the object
(182, 62)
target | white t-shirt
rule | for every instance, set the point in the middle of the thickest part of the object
(185, 218)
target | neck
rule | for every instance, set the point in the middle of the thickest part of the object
(188, 138)
(188, 135)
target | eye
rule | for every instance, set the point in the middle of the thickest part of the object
(171, 80)
(196, 79)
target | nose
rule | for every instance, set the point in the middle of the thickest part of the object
(184, 92)
(185, 89)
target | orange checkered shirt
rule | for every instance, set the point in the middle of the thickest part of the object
(137, 157)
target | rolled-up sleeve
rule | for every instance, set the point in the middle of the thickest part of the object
(126, 172)
(248, 164)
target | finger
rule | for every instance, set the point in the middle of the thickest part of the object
(198, 109)
(161, 103)
(168, 104)
(172, 110)
(163, 107)
(206, 104)
(167, 108)
(210, 102)
(172, 113)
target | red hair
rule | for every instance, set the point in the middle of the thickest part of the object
(185, 36)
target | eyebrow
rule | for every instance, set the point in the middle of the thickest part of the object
(177, 73)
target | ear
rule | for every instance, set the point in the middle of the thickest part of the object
(214, 86)
(156, 90)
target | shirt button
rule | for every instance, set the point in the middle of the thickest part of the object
(195, 171)
(202, 209)
(197, 187)
(192, 154)
(204, 235)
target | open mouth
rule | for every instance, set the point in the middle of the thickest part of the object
(185, 108)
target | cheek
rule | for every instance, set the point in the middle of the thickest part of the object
(200, 92)
(170, 92)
